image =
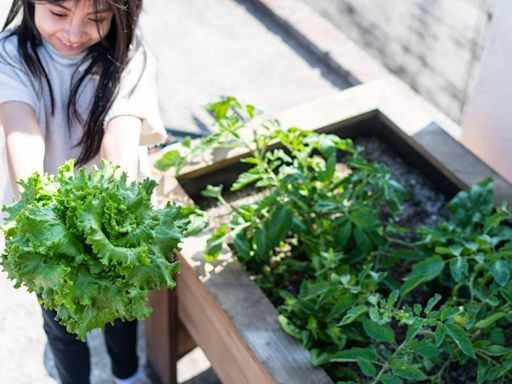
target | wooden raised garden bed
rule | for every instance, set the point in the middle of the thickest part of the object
(225, 312)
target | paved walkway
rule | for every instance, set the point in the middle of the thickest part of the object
(205, 48)
(209, 48)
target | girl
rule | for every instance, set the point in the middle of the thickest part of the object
(77, 82)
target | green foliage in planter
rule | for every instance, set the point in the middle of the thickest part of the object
(372, 301)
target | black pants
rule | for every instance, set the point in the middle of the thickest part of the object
(72, 355)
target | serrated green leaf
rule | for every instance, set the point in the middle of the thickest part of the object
(390, 379)
(422, 272)
(378, 332)
(504, 367)
(364, 357)
(344, 233)
(337, 337)
(490, 320)
(412, 331)
(261, 241)
(242, 245)
(280, 223)
(447, 312)
(352, 355)
(215, 243)
(250, 160)
(186, 142)
(319, 358)
(289, 327)
(474, 205)
(326, 205)
(461, 338)
(342, 304)
(251, 176)
(439, 335)
(500, 271)
(393, 297)
(198, 222)
(459, 268)
(170, 159)
(497, 350)
(362, 241)
(214, 191)
(363, 217)
(298, 226)
(426, 349)
(375, 315)
(432, 302)
(352, 314)
(405, 370)
(367, 368)
(328, 151)
(250, 109)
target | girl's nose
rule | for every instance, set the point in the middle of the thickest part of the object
(75, 31)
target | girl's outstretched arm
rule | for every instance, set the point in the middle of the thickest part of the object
(24, 141)
(121, 142)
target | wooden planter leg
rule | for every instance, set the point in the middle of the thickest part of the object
(161, 330)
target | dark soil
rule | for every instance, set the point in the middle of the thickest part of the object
(425, 203)
(460, 374)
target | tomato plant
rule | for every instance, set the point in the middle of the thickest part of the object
(372, 301)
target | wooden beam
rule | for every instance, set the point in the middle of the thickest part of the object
(209, 325)
(161, 331)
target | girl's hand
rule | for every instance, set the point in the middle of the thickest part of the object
(24, 141)
(121, 143)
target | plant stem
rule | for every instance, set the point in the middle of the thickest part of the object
(407, 244)
(438, 376)
(385, 365)
(492, 362)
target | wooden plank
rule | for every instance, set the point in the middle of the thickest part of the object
(185, 341)
(214, 332)
(161, 335)
(459, 161)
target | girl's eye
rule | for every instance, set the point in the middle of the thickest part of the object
(57, 14)
(97, 21)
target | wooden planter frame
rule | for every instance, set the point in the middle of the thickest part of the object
(225, 312)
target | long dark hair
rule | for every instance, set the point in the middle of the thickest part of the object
(108, 59)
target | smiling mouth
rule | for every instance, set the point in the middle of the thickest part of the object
(70, 46)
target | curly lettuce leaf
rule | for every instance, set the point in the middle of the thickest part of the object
(91, 245)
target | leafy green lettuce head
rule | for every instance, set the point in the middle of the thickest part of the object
(91, 245)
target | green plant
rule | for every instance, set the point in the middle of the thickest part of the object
(91, 246)
(324, 244)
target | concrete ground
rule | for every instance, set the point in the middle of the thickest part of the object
(210, 48)
(205, 49)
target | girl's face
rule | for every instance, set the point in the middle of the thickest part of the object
(72, 26)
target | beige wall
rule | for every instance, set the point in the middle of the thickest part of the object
(433, 45)
(487, 123)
